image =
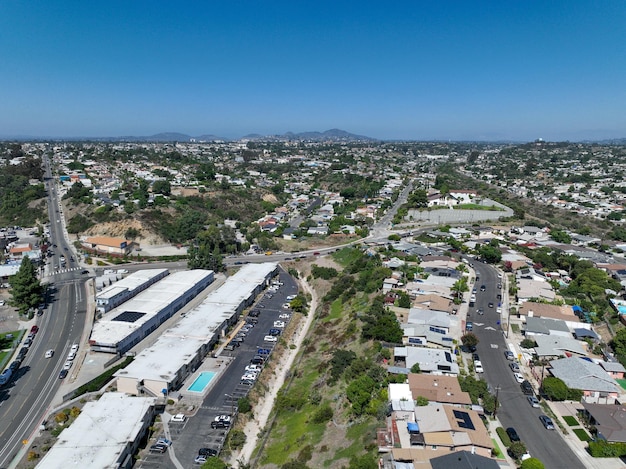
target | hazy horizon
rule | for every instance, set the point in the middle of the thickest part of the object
(460, 71)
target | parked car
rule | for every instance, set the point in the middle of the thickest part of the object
(270, 338)
(509, 355)
(158, 448)
(527, 388)
(274, 331)
(164, 441)
(478, 367)
(202, 459)
(475, 357)
(223, 418)
(67, 365)
(249, 377)
(264, 351)
(533, 401)
(220, 424)
(279, 324)
(519, 377)
(469, 326)
(207, 452)
(178, 418)
(284, 316)
(514, 367)
(62, 374)
(513, 436)
(34, 329)
(547, 422)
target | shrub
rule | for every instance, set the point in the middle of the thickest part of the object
(421, 401)
(506, 441)
(236, 438)
(243, 405)
(604, 449)
(532, 463)
(61, 417)
(323, 414)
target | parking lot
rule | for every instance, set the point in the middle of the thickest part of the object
(196, 431)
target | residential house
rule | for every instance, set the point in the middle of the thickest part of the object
(434, 361)
(441, 389)
(608, 419)
(589, 377)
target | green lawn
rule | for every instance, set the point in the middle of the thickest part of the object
(622, 383)
(496, 449)
(582, 434)
(515, 328)
(571, 420)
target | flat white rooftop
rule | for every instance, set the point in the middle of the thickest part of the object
(100, 434)
(130, 316)
(171, 351)
(130, 283)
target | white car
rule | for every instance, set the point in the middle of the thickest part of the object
(478, 367)
(249, 377)
(499, 310)
(270, 338)
(74, 348)
(253, 369)
(222, 418)
(290, 297)
(286, 306)
(67, 365)
(519, 377)
(284, 316)
(49, 353)
(178, 418)
(279, 323)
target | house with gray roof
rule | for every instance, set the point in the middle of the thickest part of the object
(609, 420)
(558, 346)
(463, 460)
(434, 361)
(544, 326)
(589, 377)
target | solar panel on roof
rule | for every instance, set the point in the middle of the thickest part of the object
(128, 316)
(463, 419)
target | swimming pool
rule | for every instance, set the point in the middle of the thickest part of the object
(201, 382)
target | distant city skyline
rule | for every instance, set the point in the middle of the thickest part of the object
(410, 70)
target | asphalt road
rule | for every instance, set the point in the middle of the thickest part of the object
(25, 401)
(514, 410)
(196, 432)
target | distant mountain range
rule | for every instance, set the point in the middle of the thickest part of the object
(335, 135)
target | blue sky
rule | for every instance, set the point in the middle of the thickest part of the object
(477, 70)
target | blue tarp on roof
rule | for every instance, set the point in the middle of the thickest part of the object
(413, 427)
(577, 309)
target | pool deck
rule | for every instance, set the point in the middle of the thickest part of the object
(215, 365)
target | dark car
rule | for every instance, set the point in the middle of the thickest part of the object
(34, 329)
(220, 424)
(499, 296)
(274, 332)
(475, 357)
(62, 374)
(514, 367)
(254, 313)
(264, 351)
(512, 434)
(257, 360)
(527, 388)
(14, 365)
(480, 311)
(252, 320)
(158, 448)
(490, 304)
(469, 326)
(483, 288)
(207, 452)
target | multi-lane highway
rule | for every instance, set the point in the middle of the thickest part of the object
(25, 401)
(514, 410)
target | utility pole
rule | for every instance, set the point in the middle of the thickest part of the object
(495, 410)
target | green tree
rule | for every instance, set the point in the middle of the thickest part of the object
(555, 388)
(516, 449)
(26, 290)
(421, 401)
(532, 463)
(366, 461)
(469, 340)
(560, 236)
(416, 368)
(161, 187)
(404, 300)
